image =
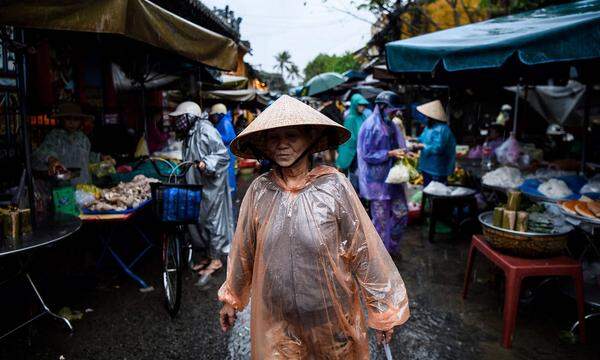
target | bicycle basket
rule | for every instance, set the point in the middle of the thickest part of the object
(177, 203)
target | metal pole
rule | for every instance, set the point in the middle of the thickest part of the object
(516, 113)
(586, 125)
(22, 89)
(144, 111)
(146, 72)
(448, 106)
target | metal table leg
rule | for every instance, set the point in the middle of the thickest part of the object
(127, 268)
(432, 219)
(46, 310)
(587, 317)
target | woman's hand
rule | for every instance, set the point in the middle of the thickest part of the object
(418, 146)
(55, 167)
(384, 337)
(397, 153)
(227, 317)
(201, 166)
(108, 158)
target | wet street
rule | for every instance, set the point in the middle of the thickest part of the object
(128, 324)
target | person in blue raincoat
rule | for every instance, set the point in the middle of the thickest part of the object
(346, 160)
(222, 119)
(437, 144)
(380, 143)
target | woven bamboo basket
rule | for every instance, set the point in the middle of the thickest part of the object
(523, 244)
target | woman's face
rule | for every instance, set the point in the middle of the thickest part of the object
(71, 124)
(285, 145)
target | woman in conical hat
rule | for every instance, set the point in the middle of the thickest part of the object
(67, 146)
(438, 145)
(305, 248)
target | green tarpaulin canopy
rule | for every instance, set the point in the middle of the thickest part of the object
(561, 33)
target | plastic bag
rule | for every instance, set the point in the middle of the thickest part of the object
(399, 174)
(410, 165)
(593, 186)
(84, 198)
(509, 152)
(102, 169)
(555, 189)
(437, 188)
(142, 148)
(460, 191)
(475, 153)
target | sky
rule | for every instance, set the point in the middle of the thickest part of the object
(305, 28)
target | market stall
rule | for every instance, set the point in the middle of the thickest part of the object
(81, 54)
(113, 212)
(527, 49)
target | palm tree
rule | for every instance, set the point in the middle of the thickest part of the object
(283, 61)
(293, 71)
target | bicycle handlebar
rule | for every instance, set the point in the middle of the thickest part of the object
(186, 164)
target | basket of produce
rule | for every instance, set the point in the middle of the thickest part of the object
(124, 198)
(535, 232)
(176, 203)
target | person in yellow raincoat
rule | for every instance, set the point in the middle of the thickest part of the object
(305, 249)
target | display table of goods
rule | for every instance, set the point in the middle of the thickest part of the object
(526, 229)
(544, 184)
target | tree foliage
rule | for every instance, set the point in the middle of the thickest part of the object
(398, 19)
(286, 67)
(326, 63)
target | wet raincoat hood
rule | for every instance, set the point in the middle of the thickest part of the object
(352, 122)
(310, 257)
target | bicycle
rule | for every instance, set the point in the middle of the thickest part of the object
(176, 205)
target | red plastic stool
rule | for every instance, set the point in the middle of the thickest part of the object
(516, 269)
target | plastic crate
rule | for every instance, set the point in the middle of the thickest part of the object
(177, 203)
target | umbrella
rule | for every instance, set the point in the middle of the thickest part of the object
(296, 91)
(355, 75)
(369, 92)
(323, 82)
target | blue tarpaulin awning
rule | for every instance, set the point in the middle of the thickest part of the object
(561, 33)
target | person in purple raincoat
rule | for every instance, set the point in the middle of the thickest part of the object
(380, 143)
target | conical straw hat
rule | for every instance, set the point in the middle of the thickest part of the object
(288, 112)
(434, 110)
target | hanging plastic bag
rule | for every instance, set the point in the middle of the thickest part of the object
(509, 152)
(399, 174)
(142, 148)
(411, 165)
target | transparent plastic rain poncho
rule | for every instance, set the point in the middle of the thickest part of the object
(375, 139)
(214, 229)
(309, 257)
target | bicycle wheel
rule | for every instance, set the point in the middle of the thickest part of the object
(172, 271)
